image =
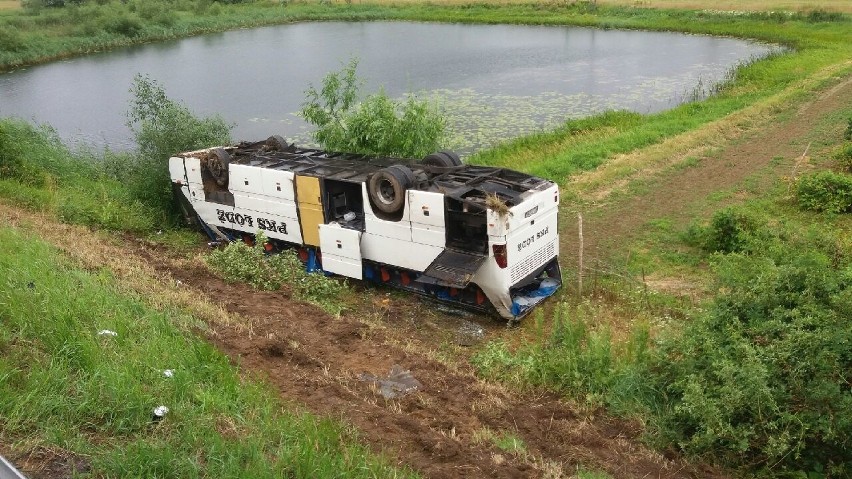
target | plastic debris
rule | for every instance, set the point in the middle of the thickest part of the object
(398, 383)
(546, 288)
(159, 413)
(168, 373)
(107, 332)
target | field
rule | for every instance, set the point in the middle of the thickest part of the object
(710, 337)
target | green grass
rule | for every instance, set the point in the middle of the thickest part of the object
(64, 386)
(39, 172)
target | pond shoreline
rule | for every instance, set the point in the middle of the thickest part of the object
(43, 44)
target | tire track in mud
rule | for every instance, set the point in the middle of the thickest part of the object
(315, 360)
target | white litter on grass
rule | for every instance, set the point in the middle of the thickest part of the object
(160, 411)
(107, 332)
(168, 373)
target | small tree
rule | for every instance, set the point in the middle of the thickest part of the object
(163, 127)
(379, 125)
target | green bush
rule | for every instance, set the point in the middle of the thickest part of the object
(104, 209)
(843, 156)
(31, 154)
(78, 186)
(576, 360)
(825, 191)
(159, 12)
(124, 23)
(379, 125)
(11, 159)
(731, 230)
(162, 127)
(762, 378)
(239, 262)
(36, 5)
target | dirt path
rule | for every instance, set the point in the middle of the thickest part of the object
(677, 195)
(315, 361)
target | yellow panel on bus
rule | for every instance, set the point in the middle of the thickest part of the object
(308, 190)
(309, 197)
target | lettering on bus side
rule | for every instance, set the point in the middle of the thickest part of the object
(247, 220)
(532, 239)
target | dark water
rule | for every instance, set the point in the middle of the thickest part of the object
(495, 81)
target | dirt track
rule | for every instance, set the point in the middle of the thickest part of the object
(316, 360)
(679, 195)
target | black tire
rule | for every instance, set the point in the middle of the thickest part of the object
(217, 164)
(406, 172)
(442, 159)
(387, 188)
(278, 143)
(453, 156)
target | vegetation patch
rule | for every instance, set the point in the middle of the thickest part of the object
(759, 380)
(825, 191)
(239, 262)
(378, 125)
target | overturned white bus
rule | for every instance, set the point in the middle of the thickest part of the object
(482, 237)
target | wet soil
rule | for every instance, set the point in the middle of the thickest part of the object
(316, 360)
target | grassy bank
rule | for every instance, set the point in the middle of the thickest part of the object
(66, 386)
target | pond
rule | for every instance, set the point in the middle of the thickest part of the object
(494, 81)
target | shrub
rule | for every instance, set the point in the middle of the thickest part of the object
(731, 230)
(11, 158)
(848, 133)
(576, 360)
(36, 5)
(123, 23)
(819, 15)
(379, 125)
(104, 209)
(163, 127)
(825, 191)
(843, 156)
(239, 262)
(31, 153)
(762, 378)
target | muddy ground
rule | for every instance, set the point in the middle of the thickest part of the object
(317, 361)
